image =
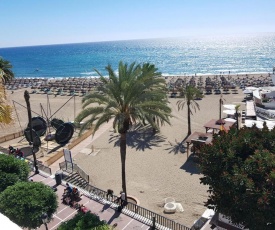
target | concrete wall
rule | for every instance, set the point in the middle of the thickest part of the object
(11, 136)
(69, 146)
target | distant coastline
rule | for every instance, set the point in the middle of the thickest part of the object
(173, 57)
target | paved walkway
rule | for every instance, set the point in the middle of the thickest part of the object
(104, 211)
(64, 212)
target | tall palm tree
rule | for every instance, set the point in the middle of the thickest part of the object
(5, 75)
(189, 94)
(136, 95)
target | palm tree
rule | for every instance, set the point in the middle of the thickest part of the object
(5, 109)
(237, 114)
(189, 94)
(5, 75)
(136, 95)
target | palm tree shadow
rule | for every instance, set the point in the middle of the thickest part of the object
(140, 138)
(176, 148)
(191, 166)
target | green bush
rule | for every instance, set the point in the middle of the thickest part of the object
(24, 203)
(12, 170)
(87, 221)
(239, 168)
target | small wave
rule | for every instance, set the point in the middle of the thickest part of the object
(89, 73)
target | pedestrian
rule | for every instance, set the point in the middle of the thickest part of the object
(68, 189)
(110, 193)
(122, 198)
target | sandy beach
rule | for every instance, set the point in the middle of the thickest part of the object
(155, 168)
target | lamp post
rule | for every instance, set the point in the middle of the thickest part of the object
(45, 220)
(27, 99)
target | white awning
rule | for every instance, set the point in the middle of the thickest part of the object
(230, 119)
(229, 111)
(260, 124)
(250, 109)
(229, 106)
(247, 91)
(6, 223)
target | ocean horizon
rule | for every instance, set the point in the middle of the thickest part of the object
(172, 56)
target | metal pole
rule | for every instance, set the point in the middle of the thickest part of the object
(27, 99)
(220, 117)
(74, 107)
(154, 223)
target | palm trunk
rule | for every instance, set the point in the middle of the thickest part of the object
(27, 99)
(220, 114)
(189, 118)
(237, 119)
(123, 160)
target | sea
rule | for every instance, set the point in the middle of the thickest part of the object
(202, 55)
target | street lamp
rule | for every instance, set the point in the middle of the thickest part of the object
(45, 220)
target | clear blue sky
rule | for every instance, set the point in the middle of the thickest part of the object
(35, 22)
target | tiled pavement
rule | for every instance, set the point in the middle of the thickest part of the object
(110, 215)
(105, 212)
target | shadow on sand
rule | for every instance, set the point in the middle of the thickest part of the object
(190, 166)
(140, 138)
(177, 148)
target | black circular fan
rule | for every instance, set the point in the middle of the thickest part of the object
(64, 133)
(36, 139)
(39, 125)
(56, 123)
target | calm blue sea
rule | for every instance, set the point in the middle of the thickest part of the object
(178, 56)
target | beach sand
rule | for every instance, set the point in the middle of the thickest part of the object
(155, 168)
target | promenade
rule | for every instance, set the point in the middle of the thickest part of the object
(104, 211)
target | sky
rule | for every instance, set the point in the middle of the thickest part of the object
(41, 22)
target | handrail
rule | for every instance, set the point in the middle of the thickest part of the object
(41, 167)
(72, 167)
(133, 210)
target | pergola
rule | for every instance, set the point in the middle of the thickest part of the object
(198, 139)
(215, 125)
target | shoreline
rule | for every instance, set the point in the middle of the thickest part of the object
(225, 74)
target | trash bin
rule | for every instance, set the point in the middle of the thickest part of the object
(58, 177)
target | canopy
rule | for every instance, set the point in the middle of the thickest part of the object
(230, 119)
(251, 88)
(229, 111)
(230, 106)
(247, 91)
(259, 124)
(6, 223)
